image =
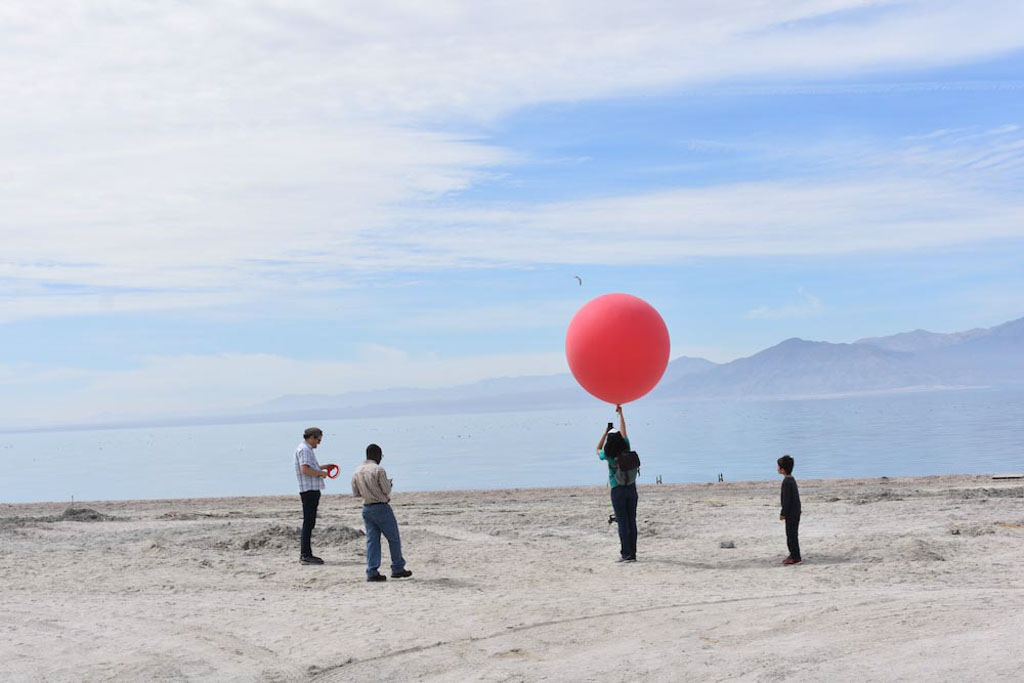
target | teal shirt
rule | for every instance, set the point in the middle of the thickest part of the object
(612, 469)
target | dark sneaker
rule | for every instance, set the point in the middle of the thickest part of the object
(404, 574)
(377, 577)
(790, 560)
(626, 559)
(310, 559)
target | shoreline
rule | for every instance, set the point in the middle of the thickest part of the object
(819, 481)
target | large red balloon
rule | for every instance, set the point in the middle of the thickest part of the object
(617, 347)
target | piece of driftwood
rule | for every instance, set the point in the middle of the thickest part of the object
(1008, 476)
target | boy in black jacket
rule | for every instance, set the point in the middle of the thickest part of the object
(790, 509)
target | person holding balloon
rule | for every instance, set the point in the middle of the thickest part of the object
(612, 445)
(617, 347)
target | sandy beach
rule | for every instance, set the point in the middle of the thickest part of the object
(904, 579)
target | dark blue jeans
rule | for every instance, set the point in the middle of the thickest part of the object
(624, 500)
(379, 519)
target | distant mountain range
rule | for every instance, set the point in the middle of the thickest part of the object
(795, 368)
(915, 360)
(918, 360)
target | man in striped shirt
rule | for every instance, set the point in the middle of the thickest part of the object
(311, 482)
(371, 483)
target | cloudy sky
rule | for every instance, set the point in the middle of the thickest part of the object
(206, 205)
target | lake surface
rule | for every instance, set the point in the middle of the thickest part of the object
(946, 432)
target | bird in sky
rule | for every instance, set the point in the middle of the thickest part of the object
(579, 278)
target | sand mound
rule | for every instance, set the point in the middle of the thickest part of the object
(69, 515)
(878, 549)
(337, 535)
(84, 515)
(971, 494)
(279, 537)
(920, 550)
(971, 530)
(876, 497)
(16, 522)
(186, 516)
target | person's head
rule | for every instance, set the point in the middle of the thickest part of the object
(313, 436)
(614, 444)
(785, 465)
(374, 453)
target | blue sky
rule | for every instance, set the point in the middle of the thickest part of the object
(207, 207)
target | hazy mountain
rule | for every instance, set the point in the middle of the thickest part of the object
(911, 360)
(555, 385)
(797, 367)
(920, 340)
(1006, 336)
(502, 393)
(681, 367)
(986, 357)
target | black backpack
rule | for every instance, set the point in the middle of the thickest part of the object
(627, 468)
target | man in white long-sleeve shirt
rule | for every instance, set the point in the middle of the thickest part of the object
(371, 483)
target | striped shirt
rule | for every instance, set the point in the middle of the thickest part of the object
(304, 456)
(371, 482)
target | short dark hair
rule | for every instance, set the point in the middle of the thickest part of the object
(312, 431)
(373, 452)
(786, 463)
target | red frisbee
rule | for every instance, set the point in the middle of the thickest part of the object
(332, 470)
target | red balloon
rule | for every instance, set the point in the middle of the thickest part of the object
(617, 347)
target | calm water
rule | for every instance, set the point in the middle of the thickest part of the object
(926, 433)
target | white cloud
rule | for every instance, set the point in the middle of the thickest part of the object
(21, 300)
(176, 155)
(172, 62)
(807, 305)
(753, 219)
(193, 385)
(549, 313)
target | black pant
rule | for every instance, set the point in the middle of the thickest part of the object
(310, 502)
(624, 500)
(792, 542)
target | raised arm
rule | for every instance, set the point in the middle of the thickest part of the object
(622, 422)
(604, 435)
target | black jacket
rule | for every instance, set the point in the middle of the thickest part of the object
(790, 497)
